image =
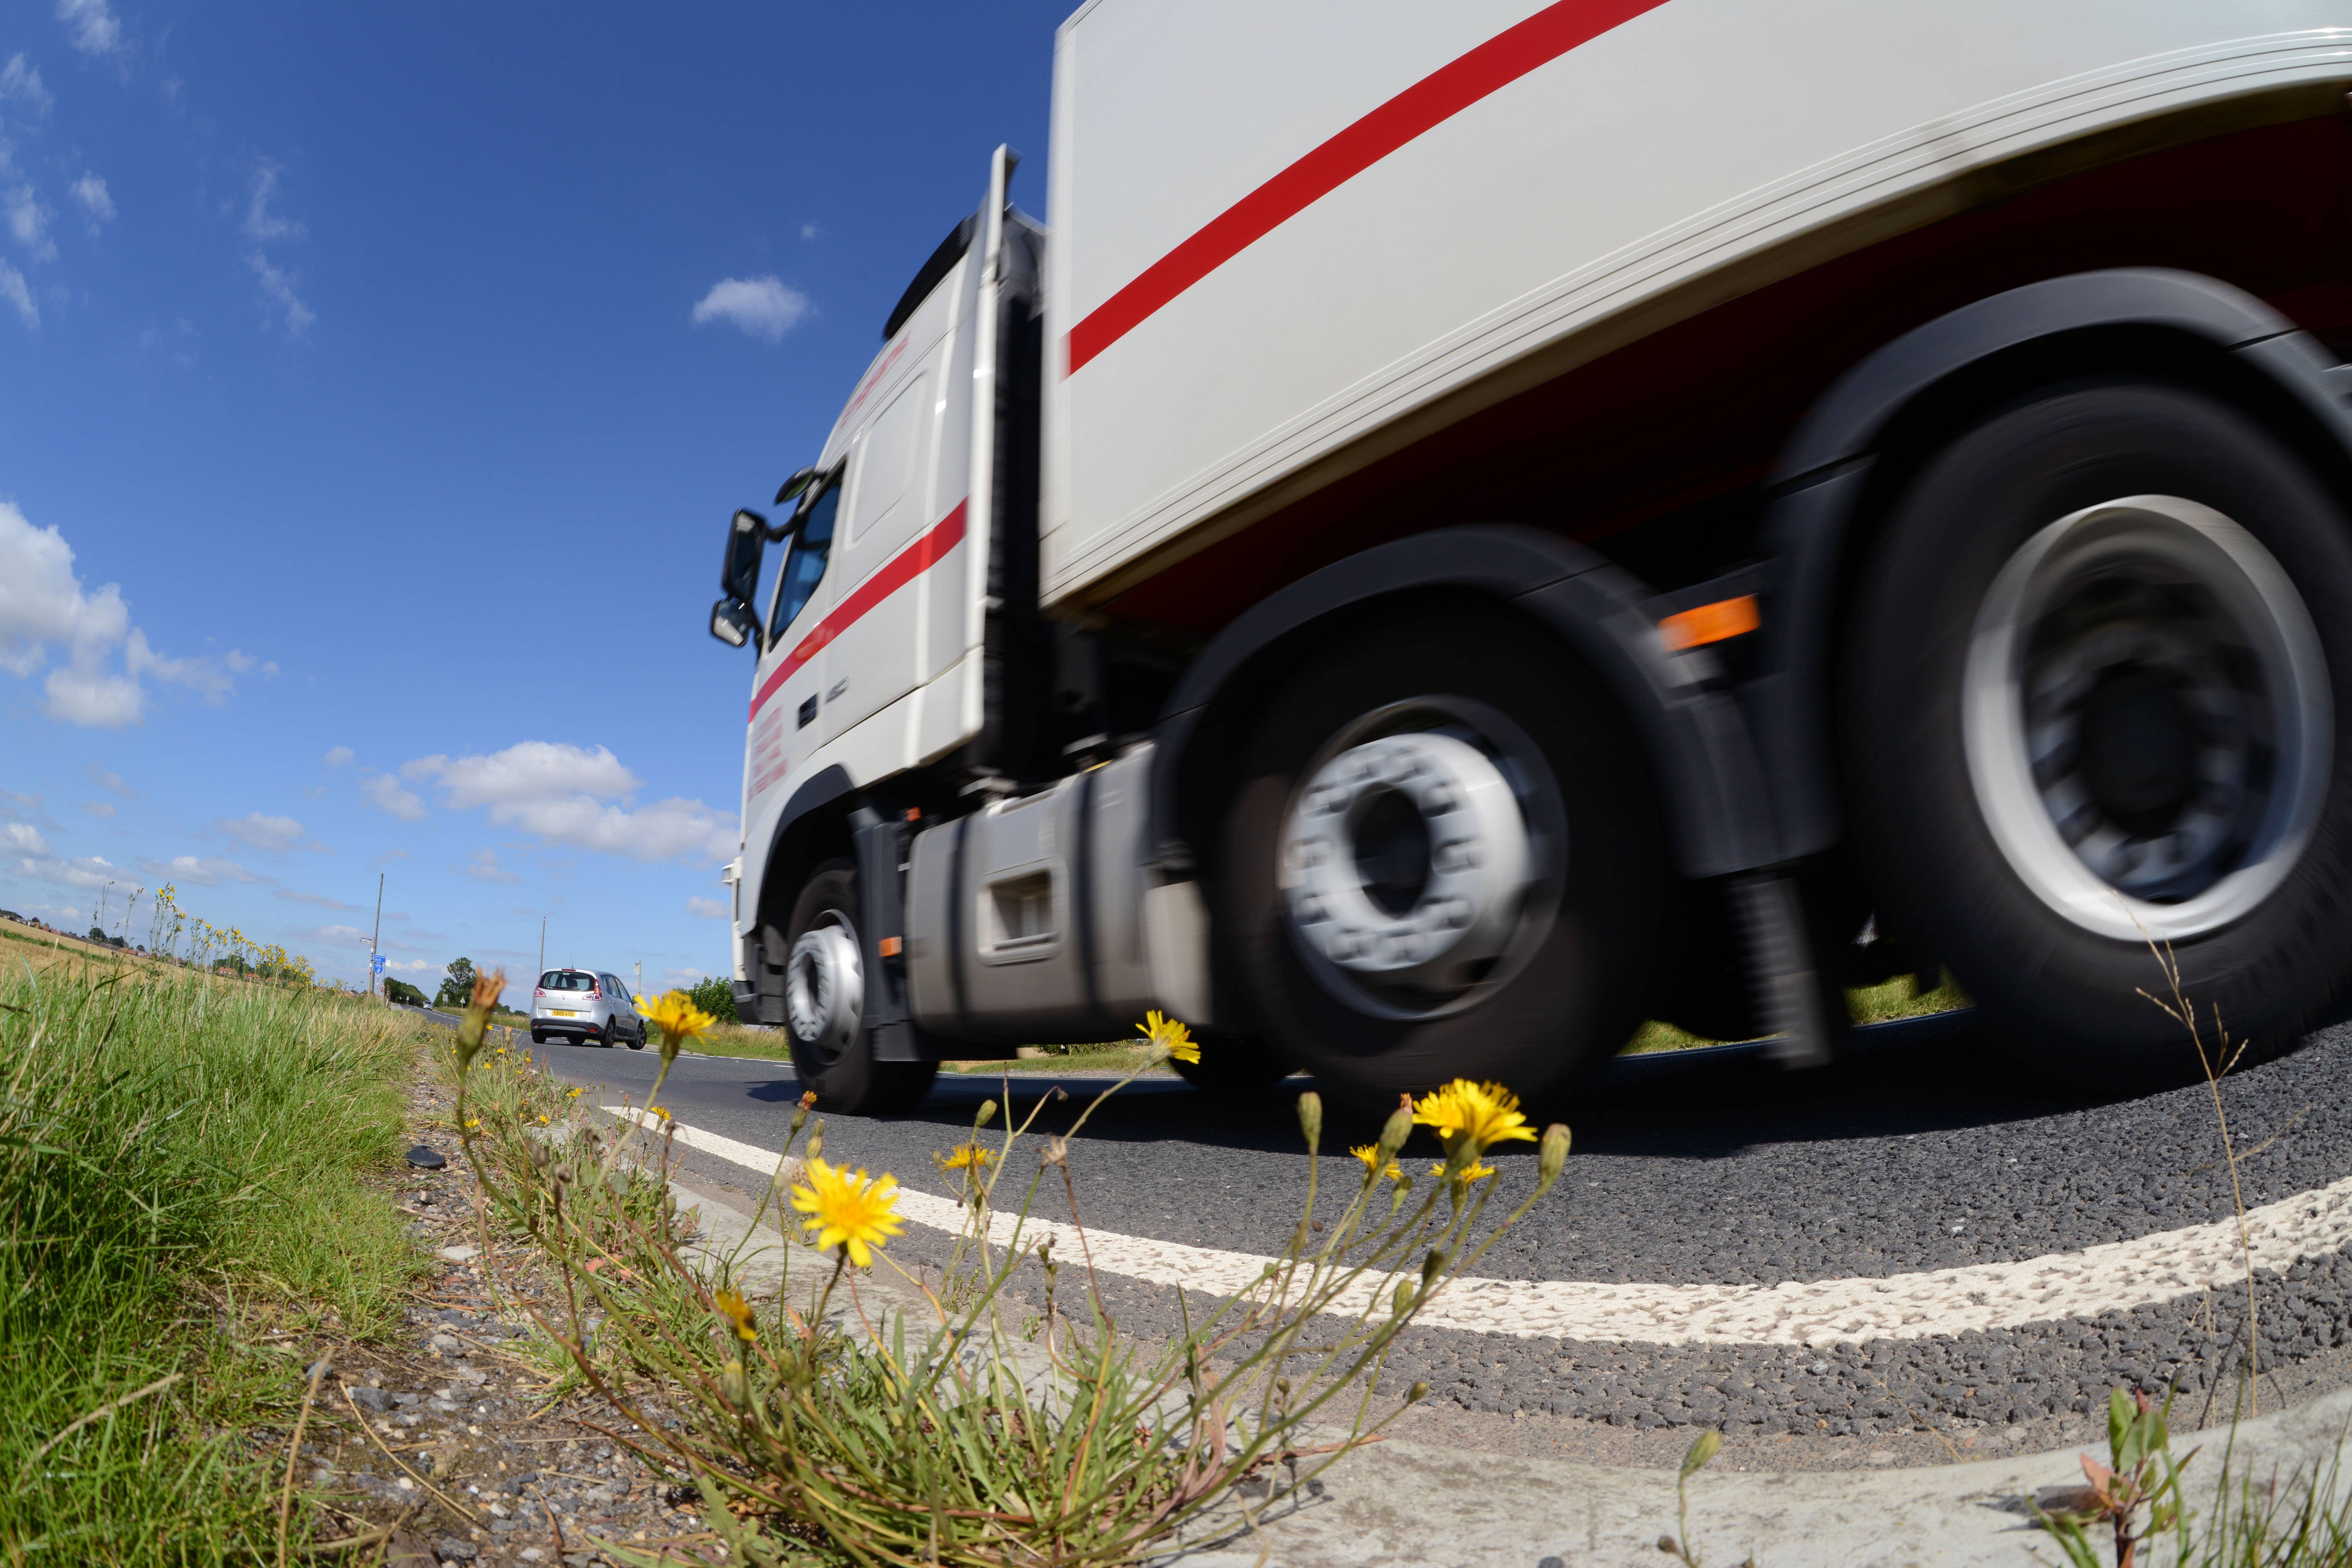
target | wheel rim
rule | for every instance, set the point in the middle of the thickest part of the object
(824, 986)
(1421, 857)
(2147, 717)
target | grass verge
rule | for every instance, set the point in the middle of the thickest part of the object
(1898, 998)
(183, 1166)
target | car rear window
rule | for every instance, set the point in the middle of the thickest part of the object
(566, 980)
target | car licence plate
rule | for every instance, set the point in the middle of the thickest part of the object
(564, 1012)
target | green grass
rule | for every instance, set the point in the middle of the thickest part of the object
(182, 1161)
(1115, 1057)
(1865, 1004)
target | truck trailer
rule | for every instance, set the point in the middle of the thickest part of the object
(1476, 526)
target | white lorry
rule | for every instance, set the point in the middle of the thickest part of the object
(1475, 527)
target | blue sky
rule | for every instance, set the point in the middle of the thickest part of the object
(374, 386)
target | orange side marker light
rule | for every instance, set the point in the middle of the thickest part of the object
(1718, 622)
(890, 946)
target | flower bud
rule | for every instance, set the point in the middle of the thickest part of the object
(1551, 1156)
(734, 1386)
(1430, 1266)
(1401, 1302)
(1416, 1393)
(987, 1114)
(1399, 1128)
(1310, 1117)
(816, 1140)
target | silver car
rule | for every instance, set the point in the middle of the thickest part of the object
(584, 1005)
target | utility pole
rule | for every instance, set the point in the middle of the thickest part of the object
(543, 949)
(375, 936)
(639, 988)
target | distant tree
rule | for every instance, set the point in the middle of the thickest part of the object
(402, 992)
(715, 994)
(458, 989)
(98, 933)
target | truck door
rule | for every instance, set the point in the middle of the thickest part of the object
(877, 653)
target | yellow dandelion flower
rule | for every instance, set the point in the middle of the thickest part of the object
(737, 1311)
(660, 1111)
(542, 1121)
(1485, 1114)
(676, 1016)
(1169, 1034)
(1474, 1172)
(966, 1155)
(849, 1211)
(1370, 1153)
(472, 1122)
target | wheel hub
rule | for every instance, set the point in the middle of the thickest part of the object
(825, 989)
(2146, 718)
(1406, 857)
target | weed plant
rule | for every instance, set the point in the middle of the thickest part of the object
(834, 1424)
(180, 1158)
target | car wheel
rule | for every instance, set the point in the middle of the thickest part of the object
(2096, 706)
(538, 1038)
(824, 1004)
(637, 1040)
(1443, 861)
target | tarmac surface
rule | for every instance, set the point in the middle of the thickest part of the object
(1914, 1256)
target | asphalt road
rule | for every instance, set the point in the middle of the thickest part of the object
(1712, 1191)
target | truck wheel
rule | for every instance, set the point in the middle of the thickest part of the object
(825, 1005)
(1443, 861)
(2095, 703)
(1231, 1063)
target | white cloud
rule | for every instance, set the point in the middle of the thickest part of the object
(43, 602)
(483, 866)
(707, 908)
(23, 838)
(92, 871)
(384, 793)
(278, 287)
(99, 807)
(201, 676)
(810, 231)
(338, 756)
(13, 289)
(682, 977)
(388, 858)
(90, 25)
(21, 83)
(246, 664)
(91, 193)
(339, 935)
(262, 226)
(317, 902)
(764, 308)
(210, 872)
(108, 781)
(29, 221)
(562, 794)
(413, 965)
(275, 833)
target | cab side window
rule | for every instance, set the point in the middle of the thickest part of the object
(805, 568)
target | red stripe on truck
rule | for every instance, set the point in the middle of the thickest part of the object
(1426, 104)
(903, 568)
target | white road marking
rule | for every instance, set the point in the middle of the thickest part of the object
(2110, 1276)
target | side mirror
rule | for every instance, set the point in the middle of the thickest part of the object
(739, 571)
(731, 624)
(791, 489)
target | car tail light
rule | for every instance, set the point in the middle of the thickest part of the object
(594, 995)
(539, 990)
